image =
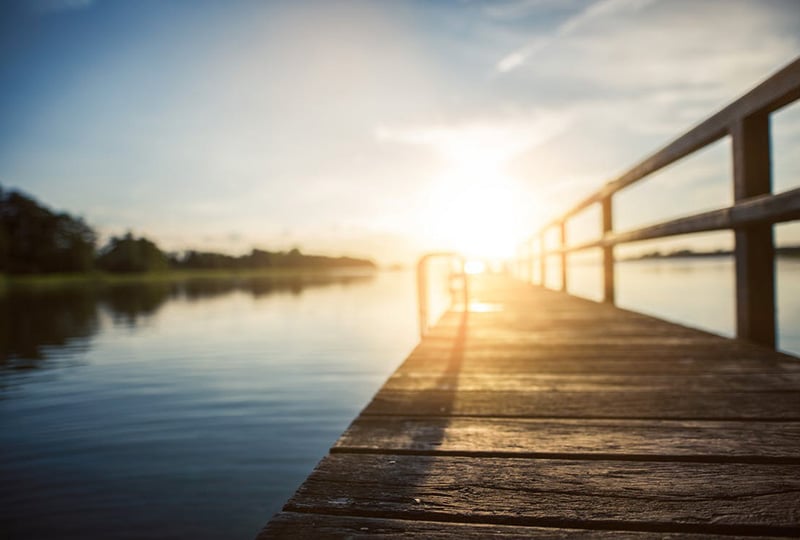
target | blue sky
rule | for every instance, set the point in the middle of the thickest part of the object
(374, 128)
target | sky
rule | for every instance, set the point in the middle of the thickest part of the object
(377, 129)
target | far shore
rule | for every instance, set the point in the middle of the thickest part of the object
(109, 278)
(785, 251)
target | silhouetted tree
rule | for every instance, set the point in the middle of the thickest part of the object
(35, 239)
(129, 254)
(199, 259)
(259, 259)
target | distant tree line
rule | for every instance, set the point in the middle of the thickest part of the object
(262, 259)
(785, 251)
(35, 239)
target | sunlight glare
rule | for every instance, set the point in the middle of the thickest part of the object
(484, 307)
(473, 203)
(473, 266)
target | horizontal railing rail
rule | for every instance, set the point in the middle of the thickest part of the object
(456, 280)
(752, 216)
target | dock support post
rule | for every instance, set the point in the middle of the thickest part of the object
(608, 252)
(755, 251)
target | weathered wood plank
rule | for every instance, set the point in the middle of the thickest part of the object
(628, 404)
(577, 439)
(545, 412)
(583, 360)
(668, 497)
(292, 525)
(575, 339)
(506, 315)
(405, 379)
(555, 338)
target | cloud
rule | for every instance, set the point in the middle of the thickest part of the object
(520, 56)
(599, 10)
(497, 139)
(630, 100)
(687, 70)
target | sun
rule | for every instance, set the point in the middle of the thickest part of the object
(473, 206)
(477, 220)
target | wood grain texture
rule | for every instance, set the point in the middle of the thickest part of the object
(624, 404)
(536, 414)
(580, 439)
(539, 414)
(293, 525)
(679, 497)
(426, 380)
(497, 363)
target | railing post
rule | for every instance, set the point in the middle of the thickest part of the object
(543, 258)
(522, 262)
(530, 260)
(608, 251)
(422, 294)
(563, 240)
(755, 252)
(422, 285)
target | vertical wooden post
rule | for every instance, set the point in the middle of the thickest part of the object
(530, 260)
(755, 251)
(422, 295)
(608, 251)
(563, 239)
(543, 258)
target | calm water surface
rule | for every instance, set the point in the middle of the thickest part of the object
(196, 409)
(190, 410)
(698, 292)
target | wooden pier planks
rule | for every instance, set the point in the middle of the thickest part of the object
(541, 414)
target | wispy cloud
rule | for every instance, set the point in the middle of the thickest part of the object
(187, 127)
(598, 10)
(498, 139)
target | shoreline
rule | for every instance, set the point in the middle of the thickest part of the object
(170, 276)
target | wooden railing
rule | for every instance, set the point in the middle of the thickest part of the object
(457, 284)
(754, 212)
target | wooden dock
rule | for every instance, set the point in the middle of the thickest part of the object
(539, 414)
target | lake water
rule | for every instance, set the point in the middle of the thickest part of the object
(195, 409)
(698, 292)
(178, 411)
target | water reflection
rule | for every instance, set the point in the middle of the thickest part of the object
(38, 318)
(128, 303)
(209, 400)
